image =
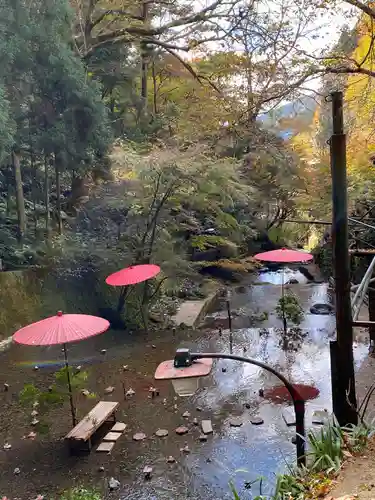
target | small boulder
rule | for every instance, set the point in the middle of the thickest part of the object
(85, 392)
(186, 414)
(101, 469)
(203, 438)
(103, 351)
(147, 471)
(17, 471)
(7, 446)
(6, 387)
(113, 484)
(125, 368)
(195, 421)
(36, 368)
(31, 435)
(185, 449)
(35, 421)
(34, 413)
(109, 390)
(171, 460)
(130, 392)
(256, 421)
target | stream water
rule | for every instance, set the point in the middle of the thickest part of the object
(231, 390)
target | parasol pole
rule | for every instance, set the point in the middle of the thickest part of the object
(283, 302)
(72, 409)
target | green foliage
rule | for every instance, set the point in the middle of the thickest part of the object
(32, 397)
(290, 307)
(20, 296)
(79, 493)
(326, 448)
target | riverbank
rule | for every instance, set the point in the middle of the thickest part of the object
(357, 478)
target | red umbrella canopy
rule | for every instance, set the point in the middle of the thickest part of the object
(133, 275)
(284, 255)
(61, 329)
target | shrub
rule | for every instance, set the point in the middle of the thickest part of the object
(81, 494)
(290, 307)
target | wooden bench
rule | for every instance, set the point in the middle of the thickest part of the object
(80, 436)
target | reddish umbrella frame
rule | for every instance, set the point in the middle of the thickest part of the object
(57, 335)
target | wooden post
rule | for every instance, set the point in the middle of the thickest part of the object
(343, 387)
(371, 313)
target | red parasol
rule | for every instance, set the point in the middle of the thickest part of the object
(133, 275)
(61, 329)
(284, 255)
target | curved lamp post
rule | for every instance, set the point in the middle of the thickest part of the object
(186, 368)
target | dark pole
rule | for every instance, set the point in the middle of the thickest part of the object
(230, 327)
(343, 387)
(298, 401)
(72, 409)
(283, 303)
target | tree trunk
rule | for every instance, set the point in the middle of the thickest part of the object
(58, 162)
(144, 88)
(9, 194)
(144, 62)
(46, 194)
(19, 196)
(154, 89)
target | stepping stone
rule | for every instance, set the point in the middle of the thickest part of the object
(118, 427)
(161, 433)
(182, 430)
(207, 427)
(112, 436)
(105, 447)
(235, 422)
(257, 420)
(289, 417)
(139, 436)
(321, 417)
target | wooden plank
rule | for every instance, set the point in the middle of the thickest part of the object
(112, 436)
(118, 427)
(363, 324)
(106, 447)
(93, 420)
(362, 251)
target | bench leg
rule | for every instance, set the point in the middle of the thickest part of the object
(112, 418)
